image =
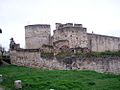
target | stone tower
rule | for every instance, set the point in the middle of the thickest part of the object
(76, 35)
(37, 35)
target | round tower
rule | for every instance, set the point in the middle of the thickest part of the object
(37, 35)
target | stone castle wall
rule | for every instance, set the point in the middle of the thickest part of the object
(32, 58)
(37, 35)
(100, 43)
(75, 34)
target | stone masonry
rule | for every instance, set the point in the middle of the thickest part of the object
(32, 58)
(39, 34)
(66, 37)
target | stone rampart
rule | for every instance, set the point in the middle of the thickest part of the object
(32, 58)
(101, 43)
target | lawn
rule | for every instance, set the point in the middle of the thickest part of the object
(37, 79)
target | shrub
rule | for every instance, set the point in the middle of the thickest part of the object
(91, 83)
(63, 54)
(47, 55)
(99, 54)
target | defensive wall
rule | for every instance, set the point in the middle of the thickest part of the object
(32, 58)
(39, 34)
(66, 36)
(100, 43)
(77, 36)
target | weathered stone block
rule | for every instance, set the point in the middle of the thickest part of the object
(18, 84)
(1, 78)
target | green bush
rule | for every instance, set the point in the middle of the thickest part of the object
(91, 83)
(63, 54)
(99, 54)
(47, 55)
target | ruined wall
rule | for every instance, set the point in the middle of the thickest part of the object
(47, 48)
(37, 35)
(32, 58)
(102, 43)
(75, 34)
(61, 45)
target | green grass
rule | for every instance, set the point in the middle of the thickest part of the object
(36, 79)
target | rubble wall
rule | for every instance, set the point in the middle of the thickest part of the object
(33, 59)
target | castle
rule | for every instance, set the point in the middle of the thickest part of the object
(68, 36)
(73, 38)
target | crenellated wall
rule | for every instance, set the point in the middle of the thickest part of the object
(39, 34)
(75, 34)
(32, 58)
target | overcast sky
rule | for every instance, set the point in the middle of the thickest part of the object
(99, 16)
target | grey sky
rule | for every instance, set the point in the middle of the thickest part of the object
(100, 16)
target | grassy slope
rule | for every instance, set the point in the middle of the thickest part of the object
(35, 79)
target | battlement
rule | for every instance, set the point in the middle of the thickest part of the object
(38, 25)
(60, 26)
(77, 25)
(84, 29)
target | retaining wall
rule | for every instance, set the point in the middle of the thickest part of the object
(33, 59)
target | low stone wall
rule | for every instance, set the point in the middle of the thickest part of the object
(99, 64)
(33, 59)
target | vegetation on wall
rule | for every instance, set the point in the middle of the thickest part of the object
(63, 55)
(47, 55)
(103, 54)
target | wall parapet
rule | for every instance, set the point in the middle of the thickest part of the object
(38, 25)
(69, 25)
(102, 35)
(77, 25)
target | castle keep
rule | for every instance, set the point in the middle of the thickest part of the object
(68, 36)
